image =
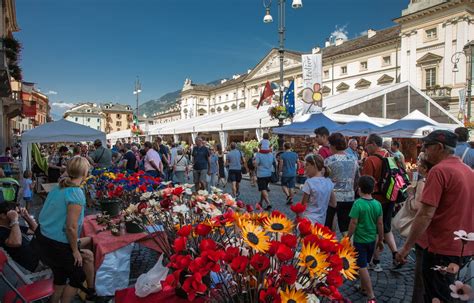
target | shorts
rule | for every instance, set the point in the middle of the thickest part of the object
(289, 182)
(27, 199)
(342, 210)
(58, 256)
(365, 251)
(235, 175)
(263, 182)
(387, 214)
(200, 175)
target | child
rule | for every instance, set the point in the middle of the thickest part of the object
(265, 144)
(366, 223)
(317, 190)
(28, 185)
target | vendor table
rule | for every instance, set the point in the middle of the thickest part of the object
(112, 254)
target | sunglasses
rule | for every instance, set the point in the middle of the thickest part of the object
(425, 145)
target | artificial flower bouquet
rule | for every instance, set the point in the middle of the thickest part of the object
(278, 112)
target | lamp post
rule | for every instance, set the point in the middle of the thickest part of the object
(137, 91)
(468, 53)
(281, 49)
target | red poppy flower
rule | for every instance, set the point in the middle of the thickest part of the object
(142, 188)
(185, 230)
(239, 264)
(199, 265)
(304, 226)
(288, 274)
(334, 278)
(269, 295)
(260, 262)
(178, 191)
(249, 208)
(203, 229)
(298, 208)
(179, 261)
(284, 253)
(328, 245)
(207, 244)
(336, 262)
(313, 239)
(273, 247)
(240, 204)
(276, 213)
(179, 244)
(231, 253)
(171, 280)
(194, 285)
(289, 240)
(212, 258)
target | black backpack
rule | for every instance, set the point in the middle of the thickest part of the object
(250, 164)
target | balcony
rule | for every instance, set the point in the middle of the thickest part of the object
(438, 92)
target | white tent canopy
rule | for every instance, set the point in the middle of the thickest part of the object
(58, 131)
(361, 125)
(413, 125)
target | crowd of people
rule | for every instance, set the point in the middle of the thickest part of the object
(341, 189)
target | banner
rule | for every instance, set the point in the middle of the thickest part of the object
(462, 104)
(312, 83)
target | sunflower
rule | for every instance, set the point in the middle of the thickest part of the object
(255, 237)
(242, 219)
(323, 232)
(348, 256)
(292, 296)
(278, 224)
(313, 260)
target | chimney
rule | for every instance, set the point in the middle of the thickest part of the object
(371, 33)
(339, 41)
(316, 50)
(327, 43)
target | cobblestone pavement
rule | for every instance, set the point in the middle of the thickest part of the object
(389, 286)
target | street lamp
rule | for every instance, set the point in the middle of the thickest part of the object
(468, 53)
(281, 49)
(137, 91)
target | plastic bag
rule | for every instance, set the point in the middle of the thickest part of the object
(150, 282)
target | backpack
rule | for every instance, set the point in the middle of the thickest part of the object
(393, 181)
(250, 164)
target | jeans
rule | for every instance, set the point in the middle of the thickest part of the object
(179, 177)
(153, 173)
(213, 181)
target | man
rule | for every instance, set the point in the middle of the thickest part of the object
(351, 150)
(129, 159)
(373, 167)
(153, 165)
(446, 206)
(287, 164)
(322, 134)
(201, 164)
(56, 164)
(396, 153)
(463, 149)
(13, 236)
(101, 157)
(165, 159)
(235, 160)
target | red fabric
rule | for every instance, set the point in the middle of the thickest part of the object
(128, 296)
(31, 292)
(373, 167)
(324, 151)
(267, 93)
(449, 188)
(104, 242)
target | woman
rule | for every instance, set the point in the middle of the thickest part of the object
(221, 161)
(344, 174)
(58, 233)
(56, 164)
(180, 167)
(214, 168)
(317, 190)
(264, 162)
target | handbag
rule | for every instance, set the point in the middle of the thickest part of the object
(406, 215)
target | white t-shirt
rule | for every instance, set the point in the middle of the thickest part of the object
(180, 162)
(319, 190)
(152, 155)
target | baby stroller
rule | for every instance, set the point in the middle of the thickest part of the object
(9, 189)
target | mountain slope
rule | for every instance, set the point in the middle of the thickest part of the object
(157, 105)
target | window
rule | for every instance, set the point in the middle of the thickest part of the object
(220, 98)
(363, 65)
(243, 93)
(98, 119)
(118, 123)
(387, 60)
(431, 33)
(88, 119)
(343, 70)
(118, 129)
(119, 116)
(98, 127)
(326, 74)
(226, 97)
(430, 74)
(76, 119)
(234, 95)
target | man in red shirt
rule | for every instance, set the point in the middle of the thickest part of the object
(373, 167)
(447, 206)
(322, 135)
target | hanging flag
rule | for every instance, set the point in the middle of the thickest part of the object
(267, 93)
(290, 99)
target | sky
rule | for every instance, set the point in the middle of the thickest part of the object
(93, 50)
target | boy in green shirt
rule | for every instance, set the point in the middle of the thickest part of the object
(366, 223)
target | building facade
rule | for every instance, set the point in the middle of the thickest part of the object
(117, 117)
(88, 114)
(419, 49)
(170, 115)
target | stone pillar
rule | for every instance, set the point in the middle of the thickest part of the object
(447, 77)
(413, 69)
(461, 40)
(404, 68)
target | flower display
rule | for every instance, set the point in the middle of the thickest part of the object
(464, 236)
(279, 112)
(461, 291)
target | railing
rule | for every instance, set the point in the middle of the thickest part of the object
(438, 91)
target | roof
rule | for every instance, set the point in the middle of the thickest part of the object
(381, 36)
(116, 107)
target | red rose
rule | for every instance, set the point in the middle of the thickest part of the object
(249, 208)
(203, 229)
(240, 204)
(178, 191)
(334, 278)
(273, 247)
(304, 226)
(179, 244)
(165, 203)
(207, 244)
(288, 274)
(284, 253)
(336, 262)
(311, 239)
(231, 253)
(289, 240)
(239, 264)
(328, 245)
(298, 208)
(260, 262)
(185, 231)
(269, 295)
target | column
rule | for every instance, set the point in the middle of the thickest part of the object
(404, 68)
(447, 77)
(413, 69)
(460, 42)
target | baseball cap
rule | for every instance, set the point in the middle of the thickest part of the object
(442, 136)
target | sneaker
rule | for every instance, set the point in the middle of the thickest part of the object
(372, 300)
(375, 267)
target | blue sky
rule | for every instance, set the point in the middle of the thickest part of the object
(92, 50)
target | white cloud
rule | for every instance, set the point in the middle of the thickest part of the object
(339, 32)
(52, 92)
(363, 33)
(62, 105)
